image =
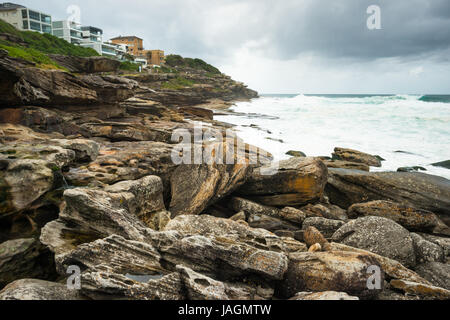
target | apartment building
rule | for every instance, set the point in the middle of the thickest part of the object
(68, 30)
(154, 57)
(135, 44)
(25, 19)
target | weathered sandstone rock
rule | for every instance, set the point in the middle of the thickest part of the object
(328, 271)
(409, 217)
(419, 289)
(296, 181)
(31, 289)
(356, 156)
(378, 235)
(326, 226)
(427, 251)
(436, 272)
(25, 258)
(86, 64)
(418, 190)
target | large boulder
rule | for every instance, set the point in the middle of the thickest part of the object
(329, 271)
(127, 209)
(409, 217)
(350, 155)
(418, 190)
(25, 258)
(379, 235)
(296, 181)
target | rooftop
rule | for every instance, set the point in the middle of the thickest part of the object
(126, 37)
(10, 6)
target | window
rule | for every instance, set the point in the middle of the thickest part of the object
(25, 24)
(46, 29)
(46, 19)
(58, 25)
(58, 33)
(35, 15)
(36, 26)
(24, 14)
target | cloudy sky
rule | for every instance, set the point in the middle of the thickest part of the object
(290, 46)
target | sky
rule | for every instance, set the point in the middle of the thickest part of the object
(290, 46)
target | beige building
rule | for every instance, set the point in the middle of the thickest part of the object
(154, 57)
(135, 45)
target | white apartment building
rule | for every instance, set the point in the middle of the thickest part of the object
(25, 19)
(68, 30)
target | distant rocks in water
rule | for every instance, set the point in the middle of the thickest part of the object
(347, 165)
(277, 140)
(357, 156)
(443, 164)
(298, 154)
(411, 169)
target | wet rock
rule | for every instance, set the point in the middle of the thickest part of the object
(356, 156)
(427, 251)
(418, 190)
(326, 226)
(297, 154)
(411, 169)
(327, 295)
(409, 217)
(296, 181)
(436, 272)
(421, 289)
(25, 258)
(328, 271)
(200, 287)
(347, 165)
(378, 235)
(443, 164)
(31, 289)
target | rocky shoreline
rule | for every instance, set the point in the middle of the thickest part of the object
(87, 181)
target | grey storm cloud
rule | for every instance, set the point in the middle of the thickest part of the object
(331, 28)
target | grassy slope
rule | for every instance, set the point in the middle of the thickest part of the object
(36, 47)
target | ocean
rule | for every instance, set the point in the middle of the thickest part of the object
(405, 130)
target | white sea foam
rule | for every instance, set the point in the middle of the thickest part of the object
(378, 125)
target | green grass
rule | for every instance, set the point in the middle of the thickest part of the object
(177, 83)
(178, 61)
(40, 59)
(129, 66)
(35, 47)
